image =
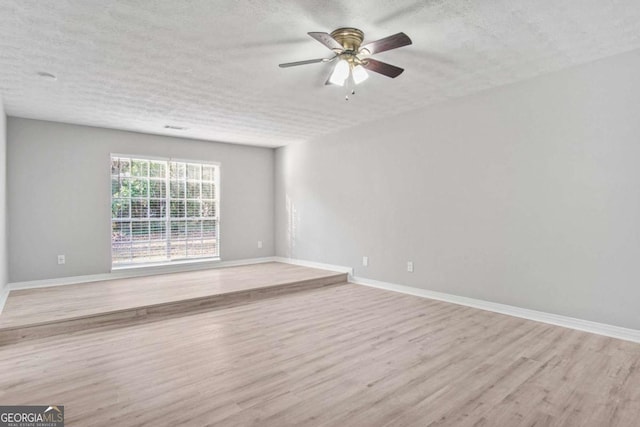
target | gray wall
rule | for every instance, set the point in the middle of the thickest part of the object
(59, 195)
(4, 275)
(525, 195)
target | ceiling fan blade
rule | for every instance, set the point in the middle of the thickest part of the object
(387, 43)
(382, 68)
(308, 61)
(327, 40)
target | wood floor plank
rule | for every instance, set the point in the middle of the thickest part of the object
(38, 313)
(345, 355)
(42, 305)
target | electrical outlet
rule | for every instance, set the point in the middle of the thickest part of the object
(259, 244)
(365, 261)
(61, 259)
(410, 266)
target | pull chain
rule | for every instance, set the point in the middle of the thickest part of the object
(350, 85)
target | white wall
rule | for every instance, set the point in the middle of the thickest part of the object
(4, 275)
(527, 195)
(59, 195)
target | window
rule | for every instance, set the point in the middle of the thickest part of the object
(163, 210)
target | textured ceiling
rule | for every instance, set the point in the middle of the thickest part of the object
(211, 66)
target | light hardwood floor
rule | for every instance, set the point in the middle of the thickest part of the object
(343, 355)
(43, 305)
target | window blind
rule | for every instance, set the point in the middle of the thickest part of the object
(163, 210)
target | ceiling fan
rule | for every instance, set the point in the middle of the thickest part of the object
(353, 59)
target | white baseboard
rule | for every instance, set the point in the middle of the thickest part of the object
(311, 264)
(134, 272)
(4, 294)
(539, 316)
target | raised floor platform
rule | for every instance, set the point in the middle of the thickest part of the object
(54, 310)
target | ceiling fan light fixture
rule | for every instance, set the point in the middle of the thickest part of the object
(340, 73)
(359, 74)
(353, 59)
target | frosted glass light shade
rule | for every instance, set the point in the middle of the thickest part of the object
(359, 74)
(340, 73)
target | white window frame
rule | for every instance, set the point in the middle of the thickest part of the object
(217, 218)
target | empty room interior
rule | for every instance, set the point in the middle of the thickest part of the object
(276, 213)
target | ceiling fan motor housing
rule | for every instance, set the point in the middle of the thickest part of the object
(349, 38)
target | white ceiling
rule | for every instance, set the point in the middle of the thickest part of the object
(211, 66)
